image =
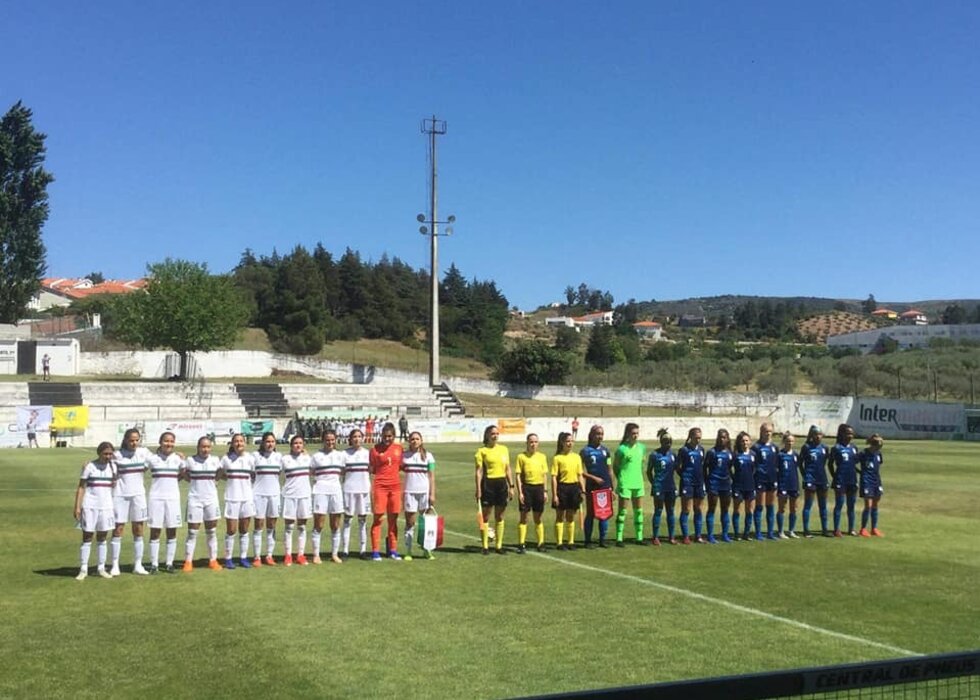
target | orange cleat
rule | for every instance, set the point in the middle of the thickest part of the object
(214, 565)
(257, 562)
(287, 560)
(269, 561)
(877, 533)
(864, 532)
(188, 566)
(301, 560)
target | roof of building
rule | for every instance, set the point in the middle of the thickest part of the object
(79, 288)
(646, 324)
(912, 312)
(884, 312)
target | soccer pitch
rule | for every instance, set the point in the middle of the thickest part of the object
(467, 625)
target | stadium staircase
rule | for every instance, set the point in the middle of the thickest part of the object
(263, 400)
(365, 399)
(55, 393)
(448, 401)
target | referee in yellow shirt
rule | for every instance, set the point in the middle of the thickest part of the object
(494, 485)
(567, 485)
(532, 473)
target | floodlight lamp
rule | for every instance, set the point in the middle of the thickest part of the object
(420, 218)
(423, 230)
(451, 219)
(449, 230)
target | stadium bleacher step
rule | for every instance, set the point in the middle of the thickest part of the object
(263, 400)
(449, 403)
(55, 393)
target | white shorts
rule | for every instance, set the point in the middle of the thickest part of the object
(97, 519)
(266, 507)
(236, 510)
(129, 509)
(199, 511)
(357, 503)
(164, 513)
(331, 503)
(416, 502)
(296, 508)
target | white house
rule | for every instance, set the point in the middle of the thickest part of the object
(648, 329)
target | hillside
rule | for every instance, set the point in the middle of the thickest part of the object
(819, 328)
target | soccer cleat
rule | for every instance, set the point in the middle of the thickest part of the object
(139, 570)
(877, 533)
(620, 543)
(257, 562)
(336, 559)
(712, 540)
(656, 541)
(759, 537)
(170, 569)
(602, 544)
(245, 563)
(853, 533)
(114, 571)
(214, 565)
(428, 554)
(521, 549)
(229, 564)
(701, 540)
(188, 566)
(772, 536)
(269, 561)
(395, 556)
(82, 575)
(376, 556)
(864, 532)
(828, 533)
(287, 560)
(301, 560)
(642, 543)
(501, 550)
(407, 557)
(672, 540)
(317, 559)
(686, 540)
(153, 569)
(485, 552)
(783, 536)
(793, 536)
(103, 573)
(726, 538)
(364, 556)
(838, 533)
(542, 548)
(806, 534)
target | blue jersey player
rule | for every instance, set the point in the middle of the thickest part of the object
(595, 458)
(787, 486)
(660, 474)
(813, 463)
(869, 466)
(743, 482)
(843, 470)
(717, 472)
(765, 481)
(690, 467)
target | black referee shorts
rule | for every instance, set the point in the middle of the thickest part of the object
(494, 492)
(533, 498)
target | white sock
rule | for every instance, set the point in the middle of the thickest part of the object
(362, 521)
(316, 542)
(270, 542)
(138, 550)
(154, 552)
(212, 542)
(116, 546)
(347, 535)
(257, 542)
(243, 543)
(229, 546)
(171, 551)
(287, 539)
(102, 550)
(409, 536)
(83, 555)
(190, 544)
(301, 544)
(334, 542)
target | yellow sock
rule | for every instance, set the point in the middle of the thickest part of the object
(485, 535)
(522, 533)
(571, 532)
(539, 529)
(500, 534)
(559, 532)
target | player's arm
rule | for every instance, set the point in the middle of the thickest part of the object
(432, 484)
(510, 478)
(832, 463)
(479, 475)
(651, 463)
(79, 494)
(554, 484)
(581, 477)
(520, 480)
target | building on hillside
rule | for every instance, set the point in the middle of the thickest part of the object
(691, 321)
(62, 291)
(885, 313)
(566, 321)
(906, 336)
(913, 317)
(597, 318)
(648, 329)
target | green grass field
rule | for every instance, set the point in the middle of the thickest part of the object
(465, 625)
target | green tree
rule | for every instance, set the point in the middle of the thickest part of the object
(604, 349)
(869, 304)
(532, 362)
(954, 314)
(299, 310)
(23, 211)
(567, 339)
(183, 308)
(95, 277)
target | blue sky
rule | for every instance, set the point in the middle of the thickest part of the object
(655, 149)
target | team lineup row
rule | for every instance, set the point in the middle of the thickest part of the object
(263, 484)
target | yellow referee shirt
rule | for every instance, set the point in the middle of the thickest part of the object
(494, 461)
(532, 468)
(568, 468)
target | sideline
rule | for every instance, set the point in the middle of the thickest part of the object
(714, 601)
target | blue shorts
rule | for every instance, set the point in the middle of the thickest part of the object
(848, 488)
(692, 491)
(764, 484)
(789, 494)
(741, 495)
(815, 485)
(664, 495)
(719, 488)
(871, 491)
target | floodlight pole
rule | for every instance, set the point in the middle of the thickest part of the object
(434, 127)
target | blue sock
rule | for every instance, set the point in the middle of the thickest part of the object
(851, 501)
(779, 521)
(603, 529)
(725, 519)
(757, 519)
(709, 524)
(864, 518)
(589, 523)
(874, 518)
(792, 522)
(684, 517)
(671, 522)
(822, 502)
(698, 516)
(657, 514)
(736, 521)
(807, 507)
(770, 518)
(838, 506)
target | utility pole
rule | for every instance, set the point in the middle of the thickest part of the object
(434, 127)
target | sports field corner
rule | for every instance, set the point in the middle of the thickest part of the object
(468, 625)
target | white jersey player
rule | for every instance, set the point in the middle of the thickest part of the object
(297, 504)
(93, 507)
(268, 494)
(328, 494)
(129, 498)
(166, 467)
(357, 489)
(238, 468)
(201, 471)
(420, 487)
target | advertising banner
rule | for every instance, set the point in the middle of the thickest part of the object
(70, 418)
(892, 418)
(33, 419)
(512, 426)
(252, 428)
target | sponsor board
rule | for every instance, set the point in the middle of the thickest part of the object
(906, 419)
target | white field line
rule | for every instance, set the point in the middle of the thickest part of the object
(714, 601)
